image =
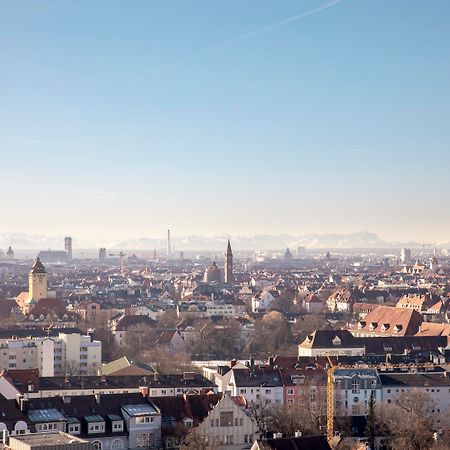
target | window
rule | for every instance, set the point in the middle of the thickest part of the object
(226, 418)
(116, 444)
(97, 445)
(145, 419)
(355, 387)
(290, 392)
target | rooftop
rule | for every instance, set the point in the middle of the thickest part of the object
(44, 439)
(140, 410)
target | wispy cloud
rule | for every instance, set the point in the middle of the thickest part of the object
(278, 24)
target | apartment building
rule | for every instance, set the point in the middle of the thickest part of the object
(55, 354)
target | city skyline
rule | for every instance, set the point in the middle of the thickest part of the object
(238, 118)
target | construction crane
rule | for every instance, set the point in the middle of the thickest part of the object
(121, 256)
(330, 382)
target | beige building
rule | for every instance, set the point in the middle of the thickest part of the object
(229, 425)
(71, 353)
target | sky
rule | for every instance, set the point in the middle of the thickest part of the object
(122, 119)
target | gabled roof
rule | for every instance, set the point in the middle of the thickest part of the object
(129, 321)
(390, 320)
(196, 407)
(7, 306)
(50, 306)
(165, 338)
(25, 380)
(312, 298)
(124, 366)
(330, 338)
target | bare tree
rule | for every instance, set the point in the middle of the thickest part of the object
(408, 422)
(196, 441)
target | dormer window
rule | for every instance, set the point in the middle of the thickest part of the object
(398, 328)
(144, 419)
(373, 325)
(337, 341)
(361, 324)
(385, 326)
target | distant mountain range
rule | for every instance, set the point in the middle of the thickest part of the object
(268, 242)
(361, 240)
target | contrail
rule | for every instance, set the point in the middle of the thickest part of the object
(280, 23)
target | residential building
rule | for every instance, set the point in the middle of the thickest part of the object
(353, 389)
(230, 424)
(58, 353)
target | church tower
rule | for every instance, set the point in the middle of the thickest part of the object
(229, 264)
(37, 281)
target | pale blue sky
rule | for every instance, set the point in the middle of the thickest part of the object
(120, 119)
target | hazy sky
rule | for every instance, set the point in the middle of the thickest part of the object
(121, 119)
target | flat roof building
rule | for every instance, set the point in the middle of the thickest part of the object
(48, 441)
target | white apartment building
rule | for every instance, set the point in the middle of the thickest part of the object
(70, 353)
(256, 385)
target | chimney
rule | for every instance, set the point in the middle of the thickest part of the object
(298, 434)
(23, 404)
(277, 435)
(233, 362)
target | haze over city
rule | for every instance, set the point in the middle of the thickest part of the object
(229, 118)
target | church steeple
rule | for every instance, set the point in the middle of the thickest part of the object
(229, 278)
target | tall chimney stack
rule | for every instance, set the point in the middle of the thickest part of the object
(168, 243)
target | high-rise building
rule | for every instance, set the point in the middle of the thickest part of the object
(169, 250)
(37, 281)
(10, 253)
(68, 247)
(102, 255)
(229, 278)
(405, 255)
